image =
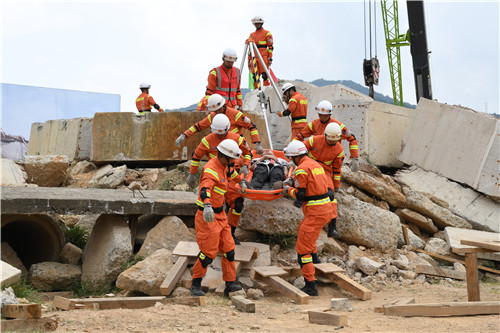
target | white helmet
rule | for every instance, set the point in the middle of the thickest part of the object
(229, 148)
(285, 88)
(333, 131)
(220, 124)
(215, 102)
(295, 148)
(144, 85)
(257, 19)
(324, 107)
(229, 55)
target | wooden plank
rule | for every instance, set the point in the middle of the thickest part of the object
(327, 318)
(187, 300)
(472, 277)
(173, 276)
(440, 271)
(245, 253)
(396, 301)
(187, 249)
(405, 235)
(243, 304)
(490, 245)
(351, 286)
(267, 271)
(63, 303)
(327, 268)
(444, 309)
(22, 311)
(29, 325)
(292, 271)
(287, 289)
(439, 256)
(464, 250)
(115, 302)
(88, 306)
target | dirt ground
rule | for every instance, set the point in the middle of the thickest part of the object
(275, 313)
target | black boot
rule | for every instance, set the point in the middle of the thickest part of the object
(230, 287)
(332, 229)
(196, 288)
(236, 240)
(316, 259)
(310, 288)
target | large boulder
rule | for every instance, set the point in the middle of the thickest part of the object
(114, 178)
(147, 276)
(46, 170)
(166, 234)
(50, 276)
(424, 223)
(277, 217)
(360, 223)
(109, 247)
(441, 216)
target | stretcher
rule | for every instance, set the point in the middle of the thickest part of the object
(265, 194)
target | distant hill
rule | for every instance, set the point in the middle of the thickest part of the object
(321, 83)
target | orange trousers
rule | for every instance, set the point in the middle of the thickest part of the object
(297, 128)
(235, 206)
(309, 230)
(214, 237)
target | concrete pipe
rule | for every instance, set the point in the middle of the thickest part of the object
(35, 238)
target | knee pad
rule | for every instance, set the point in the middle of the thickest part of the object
(304, 259)
(204, 260)
(264, 76)
(238, 205)
(229, 255)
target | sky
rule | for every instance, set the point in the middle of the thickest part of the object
(113, 46)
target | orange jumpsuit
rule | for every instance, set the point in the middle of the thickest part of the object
(237, 120)
(208, 147)
(145, 102)
(234, 199)
(214, 87)
(316, 127)
(330, 157)
(263, 39)
(297, 105)
(213, 237)
(316, 205)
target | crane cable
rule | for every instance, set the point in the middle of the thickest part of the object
(370, 25)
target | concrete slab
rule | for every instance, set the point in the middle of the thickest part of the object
(480, 211)
(455, 142)
(12, 173)
(59, 137)
(10, 275)
(454, 235)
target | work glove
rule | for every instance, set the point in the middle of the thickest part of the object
(298, 203)
(208, 213)
(191, 180)
(354, 164)
(288, 182)
(258, 148)
(285, 189)
(244, 170)
(244, 186)
(180, 140)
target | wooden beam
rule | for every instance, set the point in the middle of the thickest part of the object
(110, 302)
(327, 268)
(63, 303)
(351, 286)
(187, 249)
(267, 271)
(245, 253)
(174, 275)
(464, 250)
(444, 309)
(405, 235)
(287, 289)
(22, 311)
(396, 301)
(187, 300)
(472, 277)
(440, 271)
(490, 245)
(439, 256)
(327, 318)
(29, 325)
(243, 304)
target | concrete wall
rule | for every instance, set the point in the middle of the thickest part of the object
(455, 142)
(61, 137)
(385, 128)
(126, 136)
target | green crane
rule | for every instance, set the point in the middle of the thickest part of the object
(393, 42)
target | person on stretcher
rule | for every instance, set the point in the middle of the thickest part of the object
(268, 168)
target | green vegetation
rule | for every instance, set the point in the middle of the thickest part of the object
(284, 241)
(77, 236)
(132, 261)
(22, 289)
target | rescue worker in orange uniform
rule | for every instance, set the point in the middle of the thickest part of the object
(237, 118)
(297, 108)
(312, 191)
(234, 200)
(145, 101)
(318, 126)
(328, 152)
(263, 39)
(212, 231)
(224, 80)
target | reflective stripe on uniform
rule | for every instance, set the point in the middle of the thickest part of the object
(219, 190)
(195, 163)
(303, 101)
(306, 259)
(300, 172)
(318, 202)
(212, 172)
(205, 142)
